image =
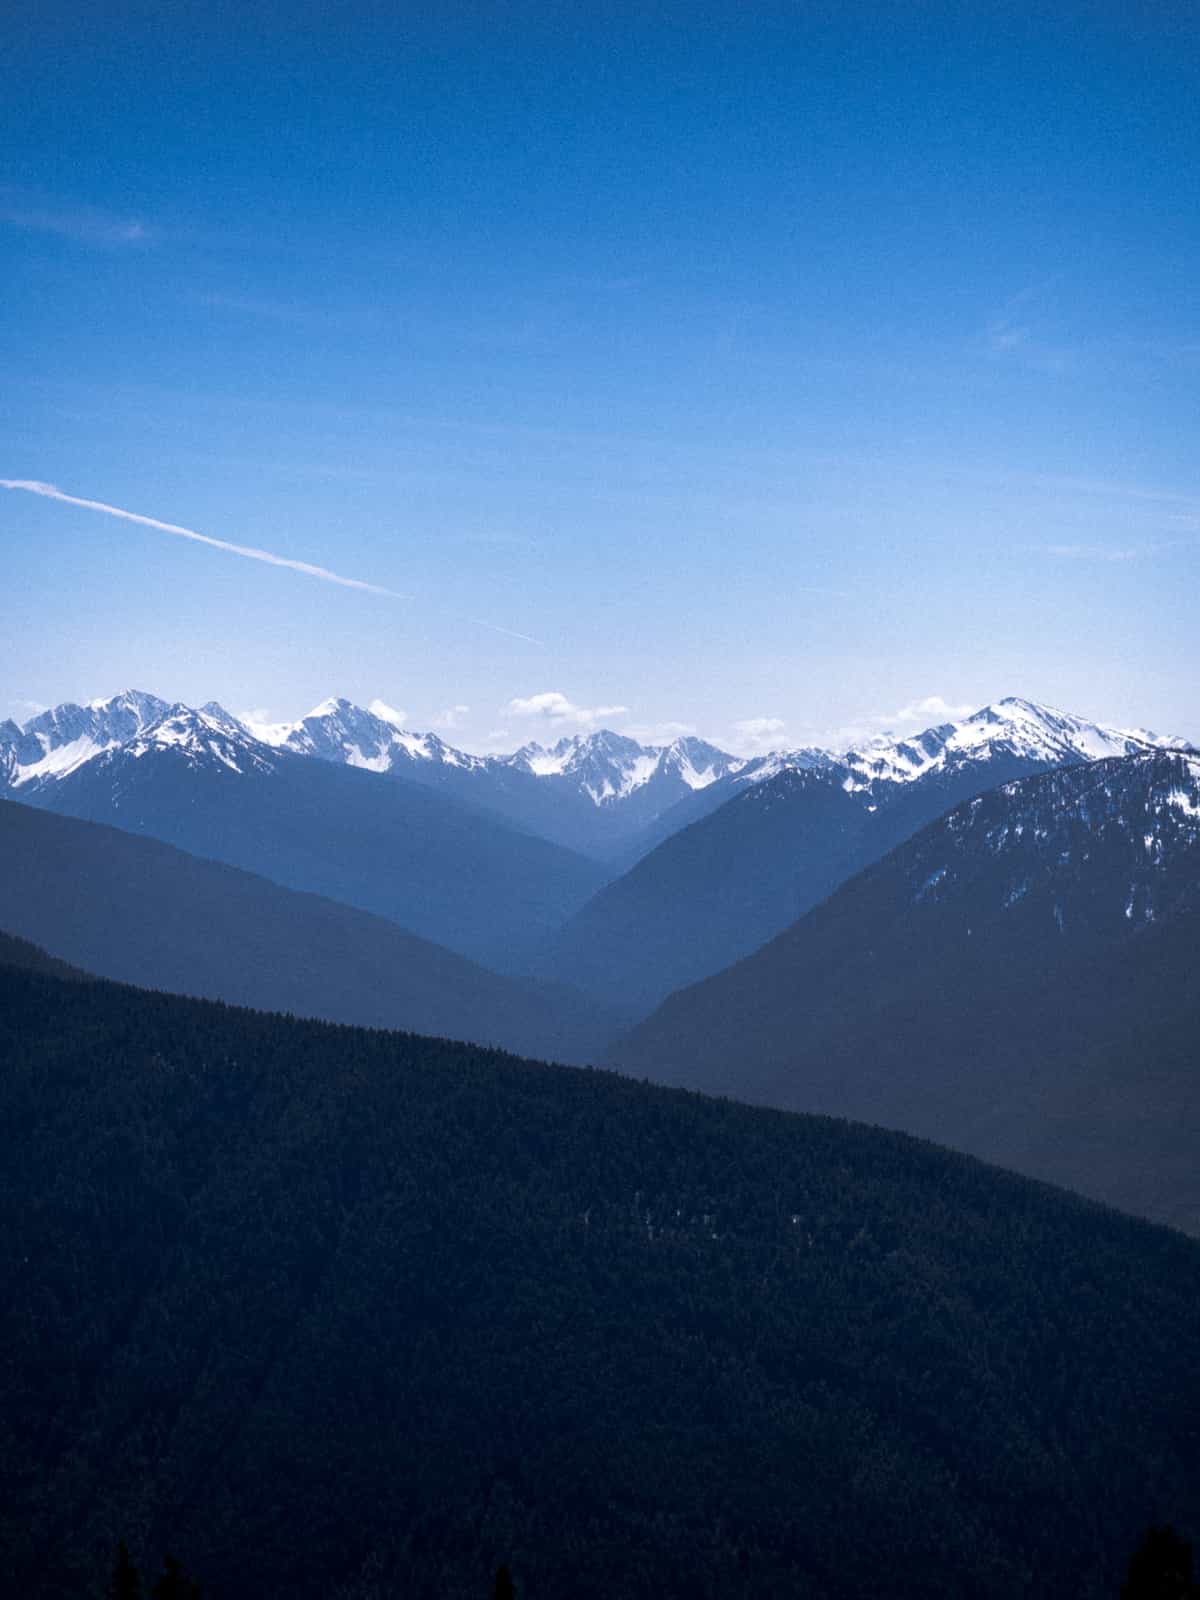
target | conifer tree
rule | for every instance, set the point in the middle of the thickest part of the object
(1160, 1568)
(503, 1587)
(126, 1580)
(173, 1584)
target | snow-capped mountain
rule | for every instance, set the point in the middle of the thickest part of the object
(1018, 979)
(127, 727)
(1016, 729)
(609, 767)
(603, 767)
(735, 864)
(1114, 843)
(450, 872)
(56, 742)
(600, 792)
(374, 739)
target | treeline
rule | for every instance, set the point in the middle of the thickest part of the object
(338, 1315)
(1161, 1568)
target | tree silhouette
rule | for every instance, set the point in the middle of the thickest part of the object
(1160, 1568)
(503, 1589)
(126, 1580)
(173, 1583)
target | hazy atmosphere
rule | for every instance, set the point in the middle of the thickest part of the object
(794, 368)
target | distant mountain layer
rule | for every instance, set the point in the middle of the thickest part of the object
(326, 1312)
(785, 836)
(592, 792)
(444, 870)
(1019, 980)
(141, 912)
(601, 792)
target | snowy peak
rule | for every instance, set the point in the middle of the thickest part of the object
(696, 763)
(608, 767)
(338, 730)
(200, 738)
(56, 742)
(1018, 729)
(807, 758)
(217, 713)
(1093, 846)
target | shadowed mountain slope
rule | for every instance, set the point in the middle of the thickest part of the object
(788, 834)
(1019, 980)
(139, 911)
(446, 871)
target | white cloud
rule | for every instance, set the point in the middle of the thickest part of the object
(758, 734)
(553, 707)
(659, 732)
(387, 713)
(451, 718)
(913, 717)
(933, 705)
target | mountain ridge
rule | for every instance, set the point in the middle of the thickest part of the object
(775, 842)
(1018, 979)
(600, 791)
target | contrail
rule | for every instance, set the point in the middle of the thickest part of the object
(250, 552)
(509, 633)
(49, 492)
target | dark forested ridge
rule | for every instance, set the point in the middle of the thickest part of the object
(329, 1312)
(127, 907)
(1019, 980)
(27, 957)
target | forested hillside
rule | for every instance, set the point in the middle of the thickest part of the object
(327, 1312)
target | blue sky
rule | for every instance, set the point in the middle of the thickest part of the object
(782, 364)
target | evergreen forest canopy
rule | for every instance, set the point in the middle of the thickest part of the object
(330, 1312)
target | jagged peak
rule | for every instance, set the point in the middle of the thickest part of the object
(332, 705)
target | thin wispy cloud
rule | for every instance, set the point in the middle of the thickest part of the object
(284, 311)
(1090, 552)
(1016, 331)
(451, 717)
(82, 224)
(1117, 553)
(248, 552)
(509, 633)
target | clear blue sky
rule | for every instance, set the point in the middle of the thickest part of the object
(798, 362)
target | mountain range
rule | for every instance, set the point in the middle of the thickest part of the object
(439, 866)
(777, 839)
(1019, 979)
(329, 1310)
(346, 869)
